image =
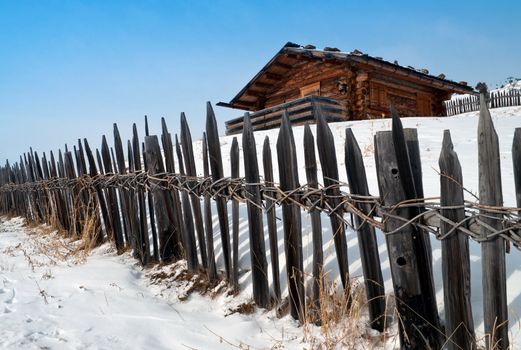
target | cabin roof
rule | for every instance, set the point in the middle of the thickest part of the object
(291, 53)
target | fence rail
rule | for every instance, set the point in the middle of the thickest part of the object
(509, 98)
(122, 199)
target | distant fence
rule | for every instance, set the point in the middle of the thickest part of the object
(471, 103)
(122, 199)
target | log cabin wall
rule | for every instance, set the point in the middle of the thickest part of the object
(410, 99)
(364, 94)
(336, 81)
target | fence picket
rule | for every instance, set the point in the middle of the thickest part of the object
(188, 152)
(288, 174)
(174, 208)
(188, 219)
(234, 167)
(374, 283)
(271, 218)
(328, 161)
(495, 309)
(459, 325)
(216, 165)
(254, 205)
(212, 268)
(154, 161)
(415, 329)
(316, 223)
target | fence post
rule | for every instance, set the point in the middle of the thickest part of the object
(409, 168)
(516, 159)
(188, 220)
(416, 330)
(208, 222)
(328, 161)
(93, 171)
(316, 223)
(413, 151)
(150, 203)
(143, 227)
(234, 164)
(216, 165)
(175, 211)
(271, 218)
(495, 310)
(154, 161)
(374, 283)
(257, 245)
(459, 325)
(188, 152)
(288, 174)
(125, 195)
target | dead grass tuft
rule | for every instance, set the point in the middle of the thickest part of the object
(247, 308)
(341, 318)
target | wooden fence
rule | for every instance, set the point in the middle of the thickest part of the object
(164, 214)
(471, 103)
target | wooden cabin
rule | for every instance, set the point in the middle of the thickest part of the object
(345, 85)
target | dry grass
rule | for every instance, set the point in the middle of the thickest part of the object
(246, 308)
(339, 318)
(176, 274)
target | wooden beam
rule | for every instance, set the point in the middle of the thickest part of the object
(256, 93)
(282, 65)
(273, 76)
(260, 84)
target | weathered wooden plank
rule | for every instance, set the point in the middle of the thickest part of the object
(93, 171)
(216, 165)
(316, 223)
(328, 161)
(133, 200)
(188, 152)
(58, 197)
(174, 208)
(413, 150)
(188, 219)
(374, 284)
(112, 198)
(256, 237)
(420, 239)
(271, 218)
(287, 158)
(234, 165)
(165, 227)
(120, 197)
(126, 196)
(144, 241)
(459, 325)
(516, 159)
(415, 331)
(150, 201)
(151, 212)
(495, 310)
(208, 221)
(75, 225)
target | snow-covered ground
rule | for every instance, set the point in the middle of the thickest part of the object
(108, 301)
(52, 298)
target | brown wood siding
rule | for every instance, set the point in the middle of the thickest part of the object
(309, 72)
(367, 93)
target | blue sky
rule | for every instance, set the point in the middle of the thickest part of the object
(69, 69)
